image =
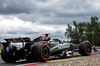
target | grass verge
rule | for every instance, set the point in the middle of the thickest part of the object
(0, 48)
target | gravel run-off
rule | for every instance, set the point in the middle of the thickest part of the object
(82, 62)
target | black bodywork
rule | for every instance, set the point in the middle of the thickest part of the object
(40, 48)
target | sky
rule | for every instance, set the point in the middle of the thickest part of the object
(32, 18)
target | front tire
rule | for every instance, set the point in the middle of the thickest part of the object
(85, 48)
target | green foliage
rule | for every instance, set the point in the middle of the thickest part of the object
(84, 31)
(0, 48)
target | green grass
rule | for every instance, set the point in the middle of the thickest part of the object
(0, 48)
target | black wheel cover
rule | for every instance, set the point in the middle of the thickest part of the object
(45, 52)
(88, 48)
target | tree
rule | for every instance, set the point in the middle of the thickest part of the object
(85, 31)
(76, 34)
(95, 30)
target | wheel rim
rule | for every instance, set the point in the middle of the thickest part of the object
(45, 52)
(88, 48)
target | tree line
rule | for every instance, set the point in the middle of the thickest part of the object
(84, 31)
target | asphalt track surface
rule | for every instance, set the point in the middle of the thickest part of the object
(76, 56)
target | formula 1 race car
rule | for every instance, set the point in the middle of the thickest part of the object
(40, 49)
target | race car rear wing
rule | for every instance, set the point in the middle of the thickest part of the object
(20, 39)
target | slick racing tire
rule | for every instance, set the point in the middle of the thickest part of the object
(85, 48)
(6, 57)
(41, 52)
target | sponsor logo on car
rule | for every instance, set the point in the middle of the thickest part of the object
(63, 46)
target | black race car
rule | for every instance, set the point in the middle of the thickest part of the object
(40, 49)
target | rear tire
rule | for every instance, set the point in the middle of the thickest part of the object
(6, 57)
(85, 48)
(41, 52)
